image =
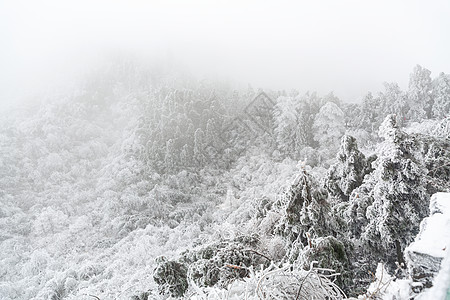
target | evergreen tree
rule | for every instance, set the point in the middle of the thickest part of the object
(331, 98)
(186, 156)
(199, 146)
(285, 119)
(394, 102)
(352, 112)
(329, 126)
(170, 156)
(211, 135)
(153, 156)
(349, 171)
(304, 133)
(370, 113)
(190, 132)
(312, 102)
(400, 200)
(305, 210)
(441, 93)
(419, 94)
(306, 117)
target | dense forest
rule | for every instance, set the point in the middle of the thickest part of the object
(146, 184)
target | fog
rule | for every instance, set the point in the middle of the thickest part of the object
(349, 47)
(137, 163)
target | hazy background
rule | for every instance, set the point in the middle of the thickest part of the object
(349, 47)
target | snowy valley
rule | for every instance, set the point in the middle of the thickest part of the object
(136, 185)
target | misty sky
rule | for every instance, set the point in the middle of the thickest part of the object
(349, 47)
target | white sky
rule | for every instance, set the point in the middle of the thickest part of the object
(349, 47)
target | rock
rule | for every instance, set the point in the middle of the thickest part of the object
(424, 256)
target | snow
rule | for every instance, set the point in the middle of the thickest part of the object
(386, 287)
(92, 193)
(422, 127)
(434, 236)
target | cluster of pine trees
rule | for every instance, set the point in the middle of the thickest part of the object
(190, 129)
(365, 209)
(129, 155)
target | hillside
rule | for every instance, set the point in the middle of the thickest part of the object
(134, 188)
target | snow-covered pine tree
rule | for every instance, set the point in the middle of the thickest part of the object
(153, 154)
(186, 156)
(307, 225)
(441, 94)
(370, 111)
(329, 126)
(286, 124)
(210, 138)
(352, 112)
(199, 155)
(170, 156)
(189, 133)
(400, 200)
(306, 115)
(305, 208)
(394, 102)
(419, 94)
(294, 199)
(349, 171)
(211, 141)
(330, 97)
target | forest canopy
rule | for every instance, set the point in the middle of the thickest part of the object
(149, 185)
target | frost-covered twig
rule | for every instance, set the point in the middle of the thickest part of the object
(260, 254)
(288, 283)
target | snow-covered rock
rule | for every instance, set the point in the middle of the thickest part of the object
(441, 283)
(425, 254)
